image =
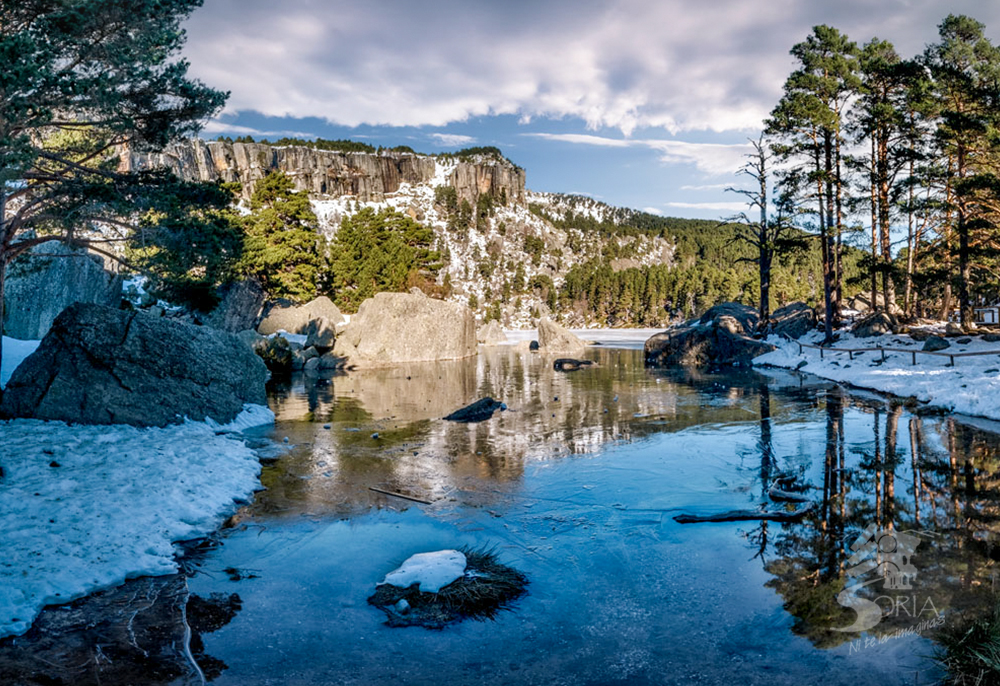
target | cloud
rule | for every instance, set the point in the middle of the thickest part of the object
(652, 210)
(707, 187)
(624, 64)
(452, 140)
(219, 127)
(716, 159)
(721, 206)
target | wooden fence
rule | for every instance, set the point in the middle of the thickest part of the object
(912, 353)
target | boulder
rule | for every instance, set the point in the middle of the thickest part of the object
(240, 307)
(953, 329)
(101, 365)
(920, 334)
(793, 320)
(716, 339)
(478, 411)
(320, 334)
(877, 324)
(553, 338)
(391, 328)
(746, 318)
(991, 337)
(491, 334)
(49, 277)
(568, 364)
(331, 361)
(284, 315)
(935, 343)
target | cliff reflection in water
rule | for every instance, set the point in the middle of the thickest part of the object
(551, 414)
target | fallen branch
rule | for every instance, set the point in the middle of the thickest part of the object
(747, 515)
(400, 495)
(780, 496)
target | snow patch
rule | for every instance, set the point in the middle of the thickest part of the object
(86, 507)
(970, 387)
(431, 571)
(14, 352)
(251, 416)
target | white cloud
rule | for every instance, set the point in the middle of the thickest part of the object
(721, 206)
(452, 140)
(711, 158)
(626, 64)
(652, 210)
(707, 187)
(219, 127)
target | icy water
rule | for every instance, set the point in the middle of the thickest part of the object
(576, 486)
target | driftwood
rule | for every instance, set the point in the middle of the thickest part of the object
(747, 515)
(780, 496)
(400, 495)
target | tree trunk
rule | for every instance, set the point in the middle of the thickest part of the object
(826, 217)
(873, 184)
(839, 271)
(888, 287)
(964, 267)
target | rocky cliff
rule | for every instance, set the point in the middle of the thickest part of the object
(366, 177)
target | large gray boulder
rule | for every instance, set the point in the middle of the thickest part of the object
(793, 320)
(42, 282)
(878, 324)
(392, 328)
(491, 334)
(100, 365)
(718, 338)
(934, 344)
(553, 338)
(240, 307)
(284, 315)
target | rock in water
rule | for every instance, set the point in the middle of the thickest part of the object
(284, 315)
(568, 364)
(793, 320)
(491, 334)
(391, 328)
(479, 411)
(430, 571)
(99, 365)
(553, 338)
(718, 338)
(47, 279)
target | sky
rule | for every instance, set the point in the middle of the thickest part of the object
(638, 103)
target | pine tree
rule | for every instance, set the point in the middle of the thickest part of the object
(281, 246)
(103, 71)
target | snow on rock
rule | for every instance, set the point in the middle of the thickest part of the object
(970, 387)
(251, 416)
(86, 507)
(432, 571)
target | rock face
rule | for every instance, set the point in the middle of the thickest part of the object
(793, 320)
(239, 309)
(39, 286)
(718, 338)
(99, 365)
(877, 324)
(403, 327)
(553, 338)
(284, 315)
(491, 334)
(366, 176)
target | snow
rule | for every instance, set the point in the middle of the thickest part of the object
(86, 507)
(432, 571)
(604, 338)
(971, 387)
(251, 416)
(14, 352)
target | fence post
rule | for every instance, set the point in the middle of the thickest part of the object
(821, 352)
(914, 360)
(850, 353)
(800, 348)
(951, 359)
(883, 354)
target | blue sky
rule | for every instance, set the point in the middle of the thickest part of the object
(638, 103)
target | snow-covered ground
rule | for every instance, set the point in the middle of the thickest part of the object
(14, 352)
(86, 507)
(605, 338)
(971, 387)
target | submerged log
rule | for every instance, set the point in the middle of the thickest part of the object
(780, 496)
(747, 515)
(568, 364)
